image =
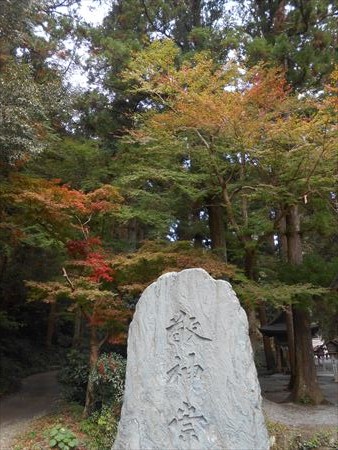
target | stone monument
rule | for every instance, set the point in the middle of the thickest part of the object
(191, 382)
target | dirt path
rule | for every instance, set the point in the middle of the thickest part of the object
(37, 397)
(300, 415)
(274, 392)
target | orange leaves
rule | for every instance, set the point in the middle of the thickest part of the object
(58, 208)
(49, 194)
(222, 104)
(268, 88)
(104, 199)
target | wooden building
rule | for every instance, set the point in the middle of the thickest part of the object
(277, 330)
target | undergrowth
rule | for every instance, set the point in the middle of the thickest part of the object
(283, 437)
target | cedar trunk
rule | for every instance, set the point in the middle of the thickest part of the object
(217, 230)
(305, 386)
(291, 345)
(250, 272)
(283, 250)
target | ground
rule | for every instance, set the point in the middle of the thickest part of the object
(40, 395)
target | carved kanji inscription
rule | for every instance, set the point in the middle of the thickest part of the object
(185, 368)
(186, 421)
(185, 328)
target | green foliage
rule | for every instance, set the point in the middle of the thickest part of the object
(315, 269)
(299, 36)
(283, 437)
(318, 440)
(101, 428)
(60, 159)
(134, 272)
(62, 438)
(23, 119)
(278, 294)
(74, 376)
(7, 323)
(108, 377)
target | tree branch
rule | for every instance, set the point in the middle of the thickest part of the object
(65, 274)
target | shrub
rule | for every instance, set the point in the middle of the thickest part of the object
(101, 428)
(74, 376)
(108, 377)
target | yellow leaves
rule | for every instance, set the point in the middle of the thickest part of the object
(332, 91)
(47, 292)
(149, 66)
(218, 101)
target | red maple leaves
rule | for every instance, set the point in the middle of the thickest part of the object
(90, 254)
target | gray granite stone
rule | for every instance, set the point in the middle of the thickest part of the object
(191, 381)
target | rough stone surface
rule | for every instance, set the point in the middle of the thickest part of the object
(191, 381)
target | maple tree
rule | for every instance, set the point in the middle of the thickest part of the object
(241, 134)
(88, 272)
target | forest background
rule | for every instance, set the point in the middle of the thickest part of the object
(205, 136)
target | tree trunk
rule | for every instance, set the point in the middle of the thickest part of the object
(253, 330)
(305, 386)
(250, 272)
(249, 264)
(51, 325)
(283, 250)
(278, 357)
(294, 241)
(217, 230)
(282, 240)
(291, 345)
(94, 348)
(269, 356)
(250, 267)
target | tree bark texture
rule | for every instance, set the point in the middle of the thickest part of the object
(217, 230)
(282, 239)
(291, 344)
(94, 348)
(305, 386)
(250, 272)
(294, 241)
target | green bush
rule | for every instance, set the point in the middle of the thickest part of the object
(62, 438)
(74, 376)
(101, 428)
(108, 377)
